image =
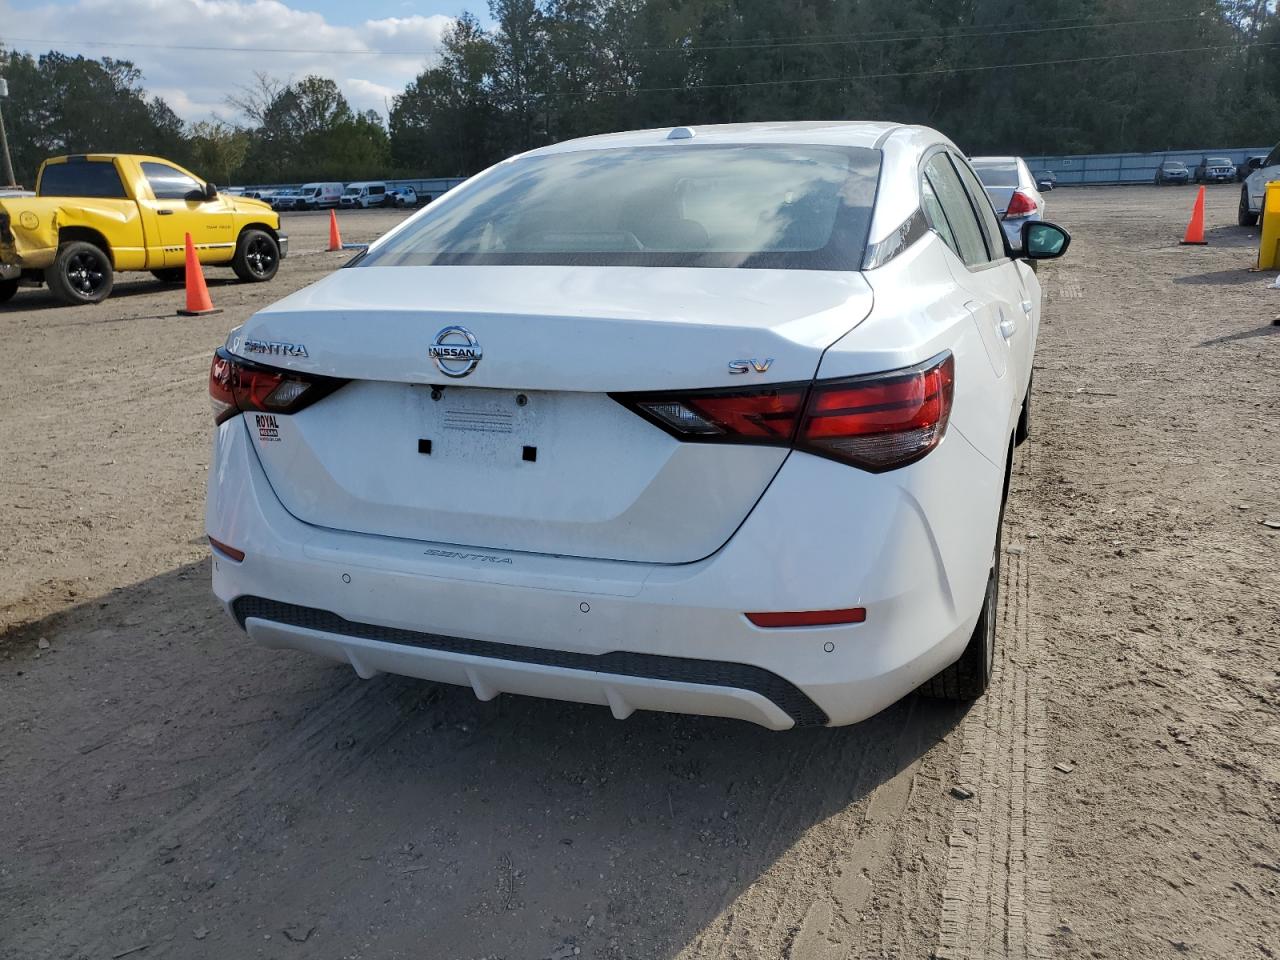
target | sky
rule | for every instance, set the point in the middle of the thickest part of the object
(372, 48)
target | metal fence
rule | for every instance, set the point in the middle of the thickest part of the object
(1103, 168)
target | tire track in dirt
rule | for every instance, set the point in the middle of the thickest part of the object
(851, 884)
(995, 901)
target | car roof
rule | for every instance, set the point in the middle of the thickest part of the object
(853, 133)
(993, 160)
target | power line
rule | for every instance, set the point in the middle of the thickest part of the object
(801, 40)
(906, 73)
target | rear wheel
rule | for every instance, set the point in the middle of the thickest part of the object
(7, 289)
(170, 274)
(970, 676)
(1023, 430)
(1245, 217)
(81, 274)
(257, 256)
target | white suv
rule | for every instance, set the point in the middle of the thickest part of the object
(715, 421)
(1253, 193)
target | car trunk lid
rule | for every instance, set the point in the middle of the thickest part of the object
(528, 452)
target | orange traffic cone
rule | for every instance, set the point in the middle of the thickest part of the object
(198, 302)
(1195, 229)
(335, 238)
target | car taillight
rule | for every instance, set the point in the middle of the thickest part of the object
(883, 421)
(1020, 205)
(238, 386)
(877, 422)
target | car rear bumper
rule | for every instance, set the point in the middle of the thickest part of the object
(669, 637)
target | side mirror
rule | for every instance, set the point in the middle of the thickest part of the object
(1042, 240)
(210, 191)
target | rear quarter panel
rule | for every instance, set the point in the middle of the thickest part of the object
(919, 312)
(35, 223)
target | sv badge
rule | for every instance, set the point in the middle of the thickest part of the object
(746, 366)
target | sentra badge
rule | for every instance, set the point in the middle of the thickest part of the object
(276, 348)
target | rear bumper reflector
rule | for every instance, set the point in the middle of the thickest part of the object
(230, 552)
(809, 618)
(788, 697)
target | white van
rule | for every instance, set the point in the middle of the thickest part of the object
(366, 193)
(313, 196)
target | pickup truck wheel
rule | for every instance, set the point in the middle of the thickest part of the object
(1245, 217)
(81, 273)
(7, 289)
(257, 256)
(170, 275)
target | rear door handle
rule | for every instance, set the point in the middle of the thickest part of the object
(1027, 307)
(164, 213)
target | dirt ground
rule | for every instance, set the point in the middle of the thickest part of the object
(169, 790)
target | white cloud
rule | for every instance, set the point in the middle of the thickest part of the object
(371, 62)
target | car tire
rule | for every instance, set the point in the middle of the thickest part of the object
(81, 274)
(7, 289)
(171, 274)
(1246, 217)
(257, 256)
(1023, 429)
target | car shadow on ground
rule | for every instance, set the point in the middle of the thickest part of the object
(188, 780)
(1232, 236)
(39, 298)
(1236, 277)
(1270, 329)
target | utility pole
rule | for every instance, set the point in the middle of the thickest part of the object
(4, 141)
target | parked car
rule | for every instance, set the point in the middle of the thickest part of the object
(1250, 164)
(1046, 180)
(285, 199)
(489, 452)
(1172, 171)
(317, 196)
(372, 193)
(1253, 192)
(403, 196)
(1012, 190)
(1214, 170)
(96, 214)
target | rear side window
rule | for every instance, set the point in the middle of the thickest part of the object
(937, 219)
(169, 183)
(997, 174)
(82, 178)
(375, 191)
(778, 206)
(958, 211)
(986, 213)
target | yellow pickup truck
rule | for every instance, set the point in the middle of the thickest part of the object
(97, 214)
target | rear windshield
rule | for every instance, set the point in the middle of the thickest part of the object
(997, 174)
(81, 178)
(775, 206)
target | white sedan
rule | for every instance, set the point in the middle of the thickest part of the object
(715, 421)
(1013, 192)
